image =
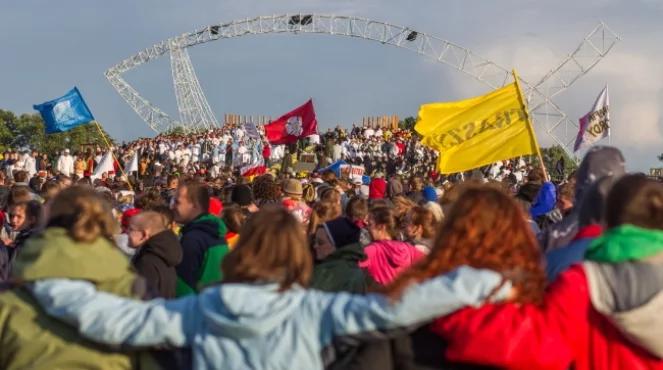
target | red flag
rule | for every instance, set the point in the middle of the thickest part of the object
(253, 170)
(298, 123)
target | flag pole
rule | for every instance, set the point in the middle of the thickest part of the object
(607, 96)
(529, 124)
(103, 136)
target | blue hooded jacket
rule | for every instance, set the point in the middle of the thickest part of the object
(252, 326)
(545, 200)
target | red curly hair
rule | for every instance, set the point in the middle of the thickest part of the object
(485, 229)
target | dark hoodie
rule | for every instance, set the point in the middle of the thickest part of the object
(204, 246)
(156, 261)
(599, 161)
(339, 272)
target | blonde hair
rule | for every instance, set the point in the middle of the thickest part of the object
(402, 205)
(84, 213)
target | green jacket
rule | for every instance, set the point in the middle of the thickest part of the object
(203, 246)
(625, 243)
(340, 272)
(29, 338)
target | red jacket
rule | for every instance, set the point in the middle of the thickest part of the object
(401, 148)
(565, 330)
(377, 189)
(266, 152)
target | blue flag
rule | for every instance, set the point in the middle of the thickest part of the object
(64, 113)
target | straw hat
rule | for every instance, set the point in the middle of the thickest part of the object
(292, 187)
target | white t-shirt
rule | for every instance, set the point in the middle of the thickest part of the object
(314, 139)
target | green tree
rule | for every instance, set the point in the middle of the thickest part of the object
(179, 130)
(7, 121)
(551, 156)
(407, 123)
(660, 157)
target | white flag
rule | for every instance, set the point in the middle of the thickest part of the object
(594, 125)
(133, 165)
(251, 130)
(105, 165)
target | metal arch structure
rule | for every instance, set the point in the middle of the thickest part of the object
(192, 103)
(193, 106)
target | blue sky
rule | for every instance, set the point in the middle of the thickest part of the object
(50, 46)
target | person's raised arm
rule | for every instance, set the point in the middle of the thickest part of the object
(348, 314)
(110, 319)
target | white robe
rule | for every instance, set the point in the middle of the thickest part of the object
(65, 165)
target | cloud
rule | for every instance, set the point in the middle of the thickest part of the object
(637, 125)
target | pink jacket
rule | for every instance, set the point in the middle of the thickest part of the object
(387, 258)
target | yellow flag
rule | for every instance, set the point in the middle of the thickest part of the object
(478, 131)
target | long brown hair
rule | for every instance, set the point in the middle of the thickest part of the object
(383, 215)
(271, 248)
(485, 229)
(420, 216)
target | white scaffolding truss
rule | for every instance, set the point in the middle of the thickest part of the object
(594, 47)
(195, 112)
(545, 112)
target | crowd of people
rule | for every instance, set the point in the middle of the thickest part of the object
(183, 262)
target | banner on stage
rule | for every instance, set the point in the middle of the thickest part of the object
(306, 163)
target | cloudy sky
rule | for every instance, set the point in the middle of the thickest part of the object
(50, 46)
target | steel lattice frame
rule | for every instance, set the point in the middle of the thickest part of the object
(195, 111)
(545, 112)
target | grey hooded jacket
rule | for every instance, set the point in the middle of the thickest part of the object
(600, 161)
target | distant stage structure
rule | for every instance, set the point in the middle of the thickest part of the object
(195, 112)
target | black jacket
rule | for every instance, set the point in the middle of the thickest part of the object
(156, 261)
